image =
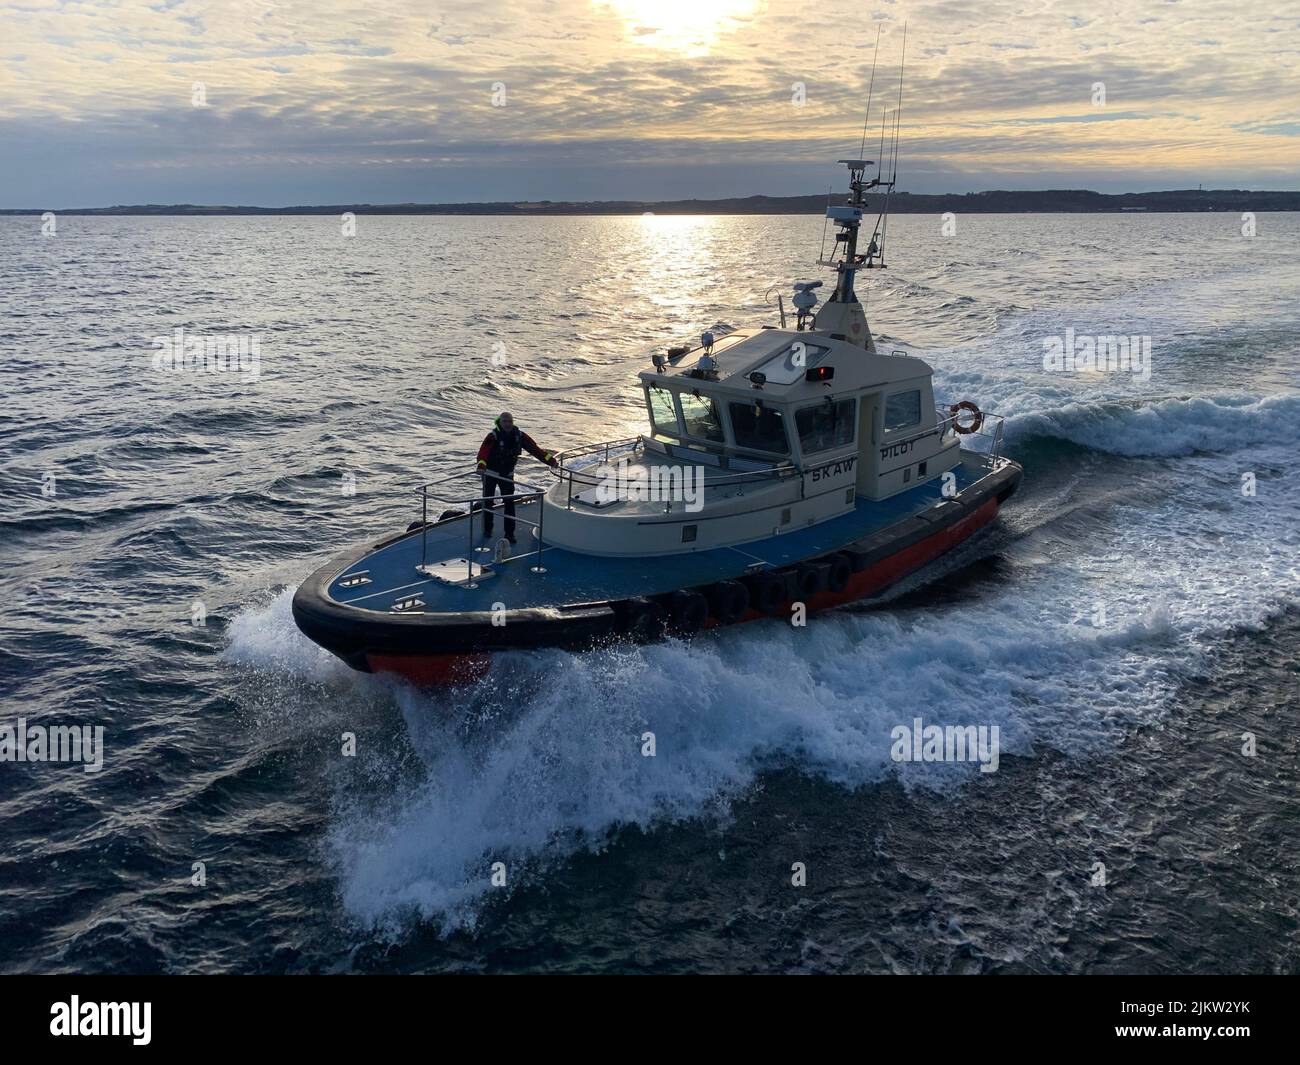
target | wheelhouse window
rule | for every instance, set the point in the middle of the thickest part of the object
(700, 417)
(759, 430)
(826, 425)
(903, 410)
(663, 414)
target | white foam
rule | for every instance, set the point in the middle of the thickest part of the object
(567, 768)
(544, 757)
(1169, 427)
(264, 636)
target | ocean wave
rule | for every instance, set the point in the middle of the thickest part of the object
(1101, 613)
(1168, 427)
(545, 757)
(568, 771)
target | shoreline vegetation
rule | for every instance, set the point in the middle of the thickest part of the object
(1059, 201)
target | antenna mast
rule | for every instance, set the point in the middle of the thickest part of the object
(849, 217)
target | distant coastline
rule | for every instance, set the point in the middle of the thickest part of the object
(1053, 201)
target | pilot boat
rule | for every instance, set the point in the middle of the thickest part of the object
(782, 471)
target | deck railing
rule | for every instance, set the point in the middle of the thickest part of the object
(990, 429)
(476, 504)
(570, 472)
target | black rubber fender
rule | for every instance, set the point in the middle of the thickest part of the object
(791, 578)
(858, 558)
(767, 591)
(838, 573)
(645, 619)
(812, 577)
(689, 610)
(728, 601)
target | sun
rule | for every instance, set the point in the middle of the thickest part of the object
(687, 26)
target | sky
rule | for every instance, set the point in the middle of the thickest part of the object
(107, 102)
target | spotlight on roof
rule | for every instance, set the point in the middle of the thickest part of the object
(804, 300)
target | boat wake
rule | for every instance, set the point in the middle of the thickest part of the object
(1113, 584)
(549, 756)
(1167, 428)
(1086, 634)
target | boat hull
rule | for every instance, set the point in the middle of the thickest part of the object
(447, 648)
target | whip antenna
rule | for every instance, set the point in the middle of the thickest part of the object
(902, 57)
(870, 87)
(882, 221)
(821, 253)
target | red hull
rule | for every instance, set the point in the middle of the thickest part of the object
(467, 668)
(433, 669)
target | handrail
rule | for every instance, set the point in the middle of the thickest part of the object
(945, 423)
(942, 427)
(462, 474)
(587, 449)
(569, 474)
(530, 492)
(991, 428)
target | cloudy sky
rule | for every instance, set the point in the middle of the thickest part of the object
(384, 101)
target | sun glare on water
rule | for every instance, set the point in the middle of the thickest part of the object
(687, 26)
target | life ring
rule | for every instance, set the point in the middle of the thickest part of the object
(966, 405)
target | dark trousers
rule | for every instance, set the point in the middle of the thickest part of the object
(507, 488)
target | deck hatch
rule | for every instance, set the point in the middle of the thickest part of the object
(460, 572)
(792, 362)
(596, 497)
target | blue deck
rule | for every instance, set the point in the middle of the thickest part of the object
(572, 578)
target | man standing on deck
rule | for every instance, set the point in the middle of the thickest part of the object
(496, 462)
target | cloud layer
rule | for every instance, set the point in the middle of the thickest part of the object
(110, 101)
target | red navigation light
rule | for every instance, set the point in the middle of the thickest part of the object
(819, 373)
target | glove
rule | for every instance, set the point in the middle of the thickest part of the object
(482, 464)
(553, 462)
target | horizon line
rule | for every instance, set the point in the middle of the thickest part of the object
(798, 204)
